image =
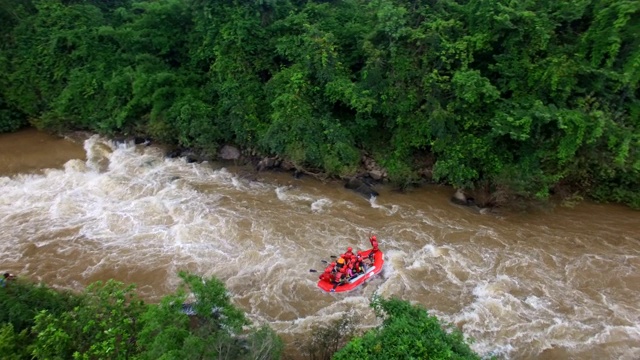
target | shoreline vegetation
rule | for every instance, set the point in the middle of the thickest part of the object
(504, 101)
(109, 321)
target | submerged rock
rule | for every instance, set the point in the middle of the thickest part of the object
(189, 155)
(376, 174)
(142, 141)
(266, 164)
(229, 152)
(460, 198)
(360, 187)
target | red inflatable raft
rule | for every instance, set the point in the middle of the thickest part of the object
(374, 266)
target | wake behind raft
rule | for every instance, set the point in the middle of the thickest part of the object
(372, 261)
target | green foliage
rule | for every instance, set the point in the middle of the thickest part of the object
(109, 321)
(262, 343)
(407, 332)
(21, 301)
(193, 120)
(103, 326)
(545, 90)
(13, 346)
(400, 172)
(10, 118)
(326, 339)
(215, 332)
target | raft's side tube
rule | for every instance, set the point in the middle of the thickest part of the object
(370, 269)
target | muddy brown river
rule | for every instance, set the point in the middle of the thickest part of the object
(556, 284)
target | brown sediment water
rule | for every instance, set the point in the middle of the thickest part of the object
(560, 284)
(30, 151)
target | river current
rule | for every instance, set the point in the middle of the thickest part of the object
(556, 284)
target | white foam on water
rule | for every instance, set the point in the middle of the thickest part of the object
(320, 205)
(388, 210)
(128, 209)
(291, 194)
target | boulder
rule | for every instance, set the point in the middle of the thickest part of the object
(459, 197)
(190, 156)
(120, 140)
(360, 187)
(174, 153)
(138, 140)
(229, 152)
(266, 164)
(287, 165)
(376, 174)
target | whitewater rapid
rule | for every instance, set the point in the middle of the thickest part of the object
(556, 285)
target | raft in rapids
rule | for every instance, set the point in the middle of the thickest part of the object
(374, 266)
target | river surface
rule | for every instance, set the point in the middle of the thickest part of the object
(557, 284)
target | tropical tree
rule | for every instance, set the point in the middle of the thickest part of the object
(407, 332)
(104, 325)
(524, 99)
(212, 327)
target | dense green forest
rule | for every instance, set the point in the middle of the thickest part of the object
(516, 98)
(109, 321)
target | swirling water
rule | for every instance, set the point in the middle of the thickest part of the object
(561, 284)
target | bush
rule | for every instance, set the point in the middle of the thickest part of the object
(21, 301)
(407, 332)
(326, 339)
(109, 321)
(10, 118)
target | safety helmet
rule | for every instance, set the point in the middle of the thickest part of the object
(333, 264)
(341, 261)
(349, 249)
(350, 266)
(374, 238)
(327, 270)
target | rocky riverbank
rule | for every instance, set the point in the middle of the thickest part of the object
(369, 174)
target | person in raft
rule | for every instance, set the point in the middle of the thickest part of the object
(350, 272)
(328, 275)
(350, 262)
(374, 245)
(341, 276)
(349, 254)
(358, 264)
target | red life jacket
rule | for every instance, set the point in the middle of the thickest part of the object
(357, 265)
(326, 277)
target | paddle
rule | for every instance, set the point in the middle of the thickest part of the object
(322, 261)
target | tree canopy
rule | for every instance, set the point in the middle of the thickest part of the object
(199, 321)
(109, 321)
(520, 97)
(407, 332)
